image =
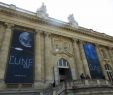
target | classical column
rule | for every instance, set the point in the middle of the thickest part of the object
(48, 58)
(2, 30)
(85, 63)
(5, 49)
(38, 65)
(100, 60)
(78, 62)
(110, 51)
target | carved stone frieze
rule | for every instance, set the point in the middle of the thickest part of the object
(62, 46)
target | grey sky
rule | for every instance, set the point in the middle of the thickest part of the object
(92, 14)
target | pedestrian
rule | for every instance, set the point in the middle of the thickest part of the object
(82, 76)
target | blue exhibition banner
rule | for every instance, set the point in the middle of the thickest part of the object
(21, 58)
(93, 61)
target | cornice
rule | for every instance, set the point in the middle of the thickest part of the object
(13, 13)
(30, 16)
(63, 52)
(90, 32)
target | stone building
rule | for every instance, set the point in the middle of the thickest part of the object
(40, 55)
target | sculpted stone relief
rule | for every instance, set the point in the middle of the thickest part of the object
(62, 46)
(103, 54)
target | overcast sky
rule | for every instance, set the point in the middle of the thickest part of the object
(91, 14)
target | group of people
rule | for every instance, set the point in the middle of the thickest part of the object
(82, 76)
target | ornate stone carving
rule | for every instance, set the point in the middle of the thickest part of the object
(42, 11)
(62, 47)
(9, 25)
(72, 21)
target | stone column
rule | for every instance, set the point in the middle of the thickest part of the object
(39, 60)
(85, 63)
(101, 60)
(110, 51)
(2, 30)
(48, 58)
(38, 56)
(78, 62)
(56, 75)
(5, 49)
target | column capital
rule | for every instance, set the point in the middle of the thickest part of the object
(111, 48)
(9, 25)
(97, 45)
(37, 31)
(82, 42)
(1, 24)
(47, 34)
(75, 40)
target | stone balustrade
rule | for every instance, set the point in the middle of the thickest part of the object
(81, 84)
(91, 83)
(62, 88)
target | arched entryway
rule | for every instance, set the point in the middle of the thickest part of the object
(62, 72)
(109, 72)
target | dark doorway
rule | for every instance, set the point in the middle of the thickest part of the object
(64, 74)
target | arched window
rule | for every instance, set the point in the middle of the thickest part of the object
(109, 72)
(62, 63)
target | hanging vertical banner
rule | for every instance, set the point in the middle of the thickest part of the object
(21, 58)
(93, 61)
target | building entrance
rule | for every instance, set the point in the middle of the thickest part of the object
(64, 74)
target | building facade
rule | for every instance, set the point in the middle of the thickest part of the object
(37, 50)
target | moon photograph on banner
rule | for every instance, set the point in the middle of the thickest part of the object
(21, 58)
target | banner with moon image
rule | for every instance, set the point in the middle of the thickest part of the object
(21, 58)
(93, 61)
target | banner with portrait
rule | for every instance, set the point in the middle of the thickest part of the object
(21, 58)
(93, 61)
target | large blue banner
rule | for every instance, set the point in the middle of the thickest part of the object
(21, 58)
(93, 61)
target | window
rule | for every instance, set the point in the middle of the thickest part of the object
(109, 72)
(63, 63)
